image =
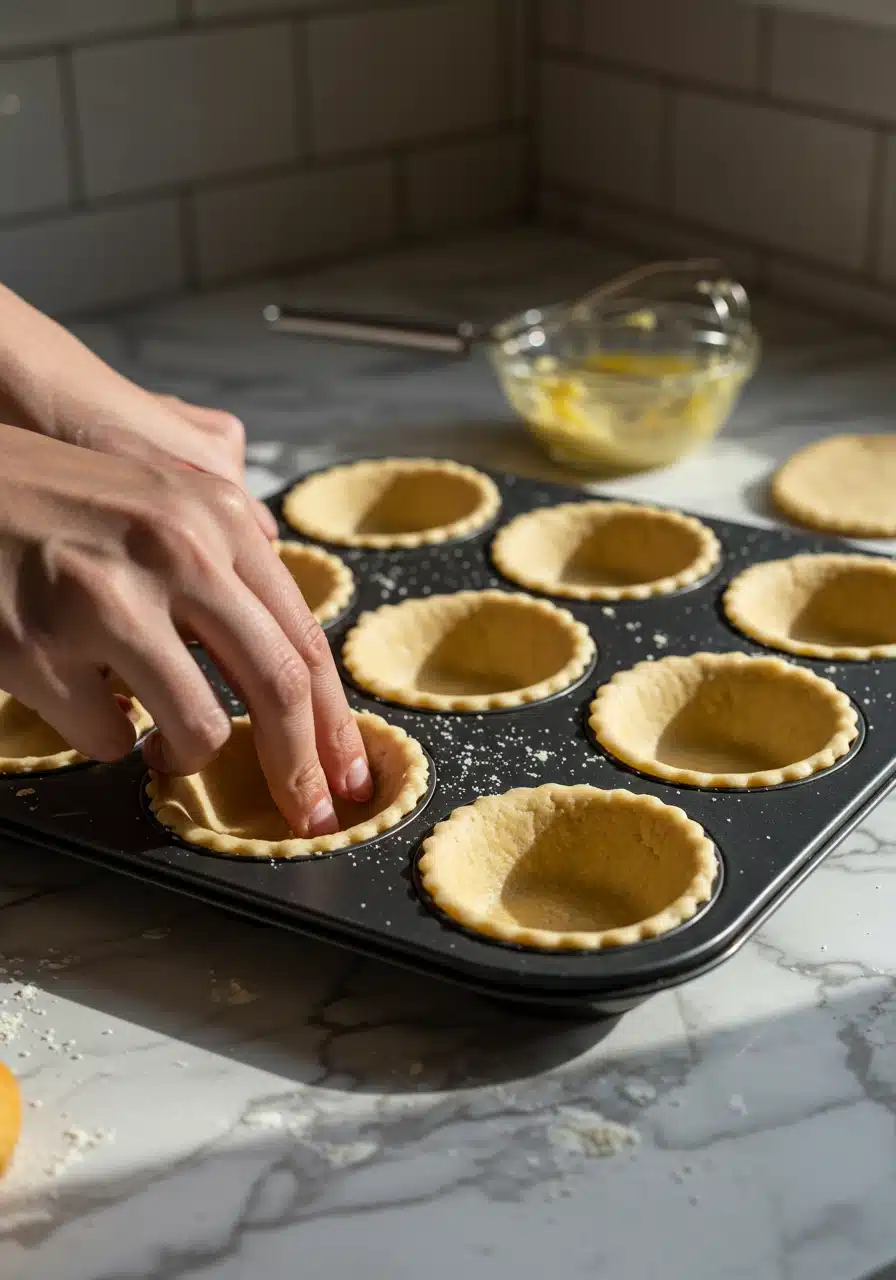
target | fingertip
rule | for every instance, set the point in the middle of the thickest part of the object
(156, 753)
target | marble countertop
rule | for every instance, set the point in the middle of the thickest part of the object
(209, 1098)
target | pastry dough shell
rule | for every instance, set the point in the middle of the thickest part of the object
(605, 550)
(392, 502)
(227, 807)
(325, 581)
(845, 484)
(470, 651)
(723, 720)
(819, 606)
(568, 867)
(29, 745)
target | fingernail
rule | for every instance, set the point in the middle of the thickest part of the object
(155, 753)
(323, 820)
(358, 782)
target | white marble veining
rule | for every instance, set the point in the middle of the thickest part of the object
(251, 1104)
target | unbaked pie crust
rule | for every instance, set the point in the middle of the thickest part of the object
(723, 720)
(568, 867)
(324, 580)
(29, 745)
(819, 606)
(392, 502)
(845, 484)
(605, 550)
(227, 807)
(471, 651)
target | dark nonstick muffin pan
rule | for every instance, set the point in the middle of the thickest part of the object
(368, 897)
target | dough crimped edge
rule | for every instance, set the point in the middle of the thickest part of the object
(707, 558)
(486, 509)
(473, 917)
(365, 674)
(746, 621)
(343, 579)
(413, 790)
(838, 745)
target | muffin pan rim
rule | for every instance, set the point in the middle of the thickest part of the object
(600, 981)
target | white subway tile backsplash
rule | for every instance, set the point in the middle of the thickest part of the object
(712, 40)
(33, 164)
(36, 22)
(775, 177)
(465, 184)
(600, 131)
(166, 110)
(844, 65)
(399, 75)
(257, 226)
(86, 260)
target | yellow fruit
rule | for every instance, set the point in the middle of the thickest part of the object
(10, 1115)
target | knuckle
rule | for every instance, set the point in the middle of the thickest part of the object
(346, 736)
(229, 502)
(311, 642)
(307, 779)
(287, 683)
(206, 731)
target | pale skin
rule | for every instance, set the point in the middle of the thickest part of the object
(125, 528)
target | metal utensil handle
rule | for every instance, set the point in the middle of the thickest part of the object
(380, 331)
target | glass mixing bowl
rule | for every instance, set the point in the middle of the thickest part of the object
(636, 374)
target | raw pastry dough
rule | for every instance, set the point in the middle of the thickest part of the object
(324, 580)
(392, 502)
(28, 744)
(227, 807)
(10, 1116)
(845, 484)
(559, 867)
(605, 550)
(723, 720)
(470, 651)
(821, 606)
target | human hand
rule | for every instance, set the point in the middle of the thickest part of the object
(51, 383)
(105, 563)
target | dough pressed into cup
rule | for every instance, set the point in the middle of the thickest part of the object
(471, 651)
(723, 720)
(845, 484)
(605, 550)
(820, 606)
(392, 502)
(568, 867)
(29, 745)
(324, 580)
(227, 806)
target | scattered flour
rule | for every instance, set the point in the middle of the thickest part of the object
(589, 1134)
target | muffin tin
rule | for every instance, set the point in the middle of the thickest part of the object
(367, 897)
